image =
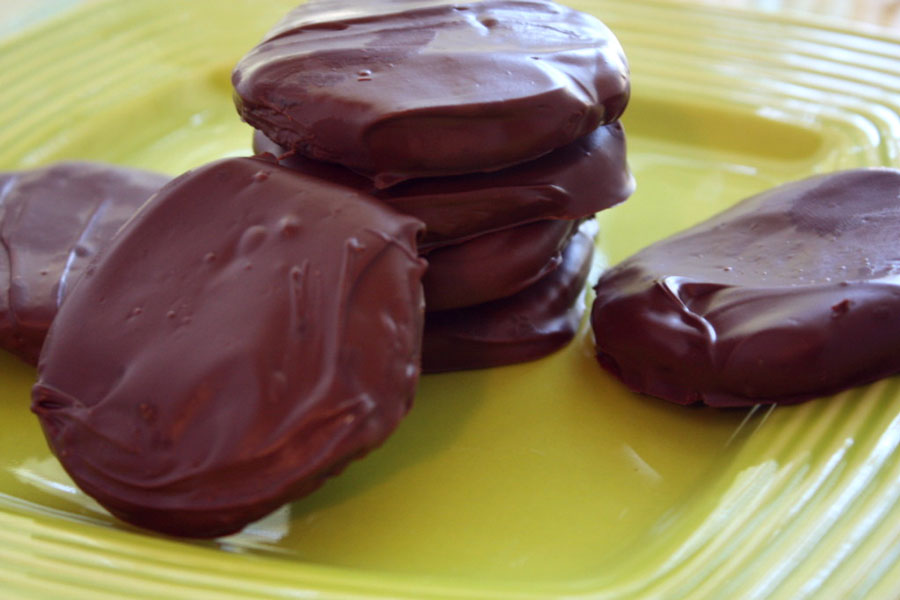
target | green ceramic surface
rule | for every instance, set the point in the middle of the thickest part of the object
(540, 480)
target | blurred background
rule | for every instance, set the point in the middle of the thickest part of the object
(15, 14)
(880, 12)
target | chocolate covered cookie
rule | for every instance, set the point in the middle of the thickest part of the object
(494, 265)
(789, 295)
(246, 335)
(403, 89)
(53, 221)
(585, 177)
(529, 325)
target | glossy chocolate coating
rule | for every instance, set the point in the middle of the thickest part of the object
(494, 265)
(574, 182)
(53, 221)
(529, 325)
(246, 335)
(789, 295)
(399, 89)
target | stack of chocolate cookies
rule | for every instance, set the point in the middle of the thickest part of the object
(251, 327)
(494, 122)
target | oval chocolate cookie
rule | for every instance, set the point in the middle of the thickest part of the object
(526, 326)
(246, 335)
(397, 90)
(574, 182)
(53, 221)
(494, 265)
(789, 295)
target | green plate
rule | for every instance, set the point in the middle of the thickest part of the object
(537, 480)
